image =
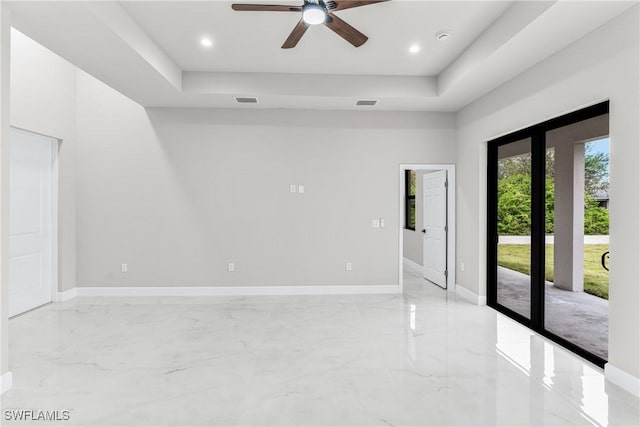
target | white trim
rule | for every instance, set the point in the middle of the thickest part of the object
(201, 291)
(622, 379)
(66, 295)
(412, 266)
(54, 219)
(470, 296)
(6, 382)
(451, 220)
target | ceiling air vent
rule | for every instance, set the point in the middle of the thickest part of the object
(246, 100)
(366, 102)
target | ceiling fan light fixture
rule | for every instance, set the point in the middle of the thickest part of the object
(314, 14)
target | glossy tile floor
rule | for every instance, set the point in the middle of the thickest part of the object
(578, 317)
(423, 358)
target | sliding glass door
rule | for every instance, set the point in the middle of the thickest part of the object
(513, 276)
(548, 229)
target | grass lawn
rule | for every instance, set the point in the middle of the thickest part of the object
(596, 278)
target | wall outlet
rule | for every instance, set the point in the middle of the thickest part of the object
(124, 268)
(347, 266)
(462, 266)
(232, 267)
(300, 189)
(292, 188)
(375, 223)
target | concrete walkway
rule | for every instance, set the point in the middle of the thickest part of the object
(578, 317)
(526, 240)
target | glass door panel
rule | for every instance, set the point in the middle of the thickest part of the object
(576, 294)
(514, 227)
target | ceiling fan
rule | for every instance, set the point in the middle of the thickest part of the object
(316, 12)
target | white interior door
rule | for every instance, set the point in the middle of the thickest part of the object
(434, 223)
(30, 220)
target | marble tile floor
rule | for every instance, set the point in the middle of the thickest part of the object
(579, 317)
(425, 357)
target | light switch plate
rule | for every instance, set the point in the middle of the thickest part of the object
(292, 188)
(347, 266)
(375, 223)
(124, 268)
(300, 188)
(232, 267)
(381, 222)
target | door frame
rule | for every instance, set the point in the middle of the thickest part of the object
(451, 218)
(537, 134)
(55, 146)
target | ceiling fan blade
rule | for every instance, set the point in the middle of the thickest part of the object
(349, 4)
(296, 35)
(265, 8)
(346, 31)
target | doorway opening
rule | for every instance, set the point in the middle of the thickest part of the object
(548, 229)
(33, 187)
(427, 223)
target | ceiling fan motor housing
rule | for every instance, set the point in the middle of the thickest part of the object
(327, 5)
(316, 12)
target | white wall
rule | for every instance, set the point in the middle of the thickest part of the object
(602, 65)
(5, 59)
(43, 100)
(178, 194)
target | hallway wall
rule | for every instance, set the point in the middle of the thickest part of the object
(43, 100)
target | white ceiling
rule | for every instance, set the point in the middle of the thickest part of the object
(150, 52)
(250, 41)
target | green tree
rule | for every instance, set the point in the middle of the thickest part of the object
(596, 172)
(514, 205)
(514, 208)
(596, 218)
(596, 168)
(549, 205)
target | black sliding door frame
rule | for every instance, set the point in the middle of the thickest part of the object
(537, 136)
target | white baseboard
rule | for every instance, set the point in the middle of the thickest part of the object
(412, 266)
(66, 295)
(622, 379)
(6, 381)
(201, 291)
(471, 296)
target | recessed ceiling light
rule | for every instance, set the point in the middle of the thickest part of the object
(414, 48)
(443, 35)
(206, 42)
